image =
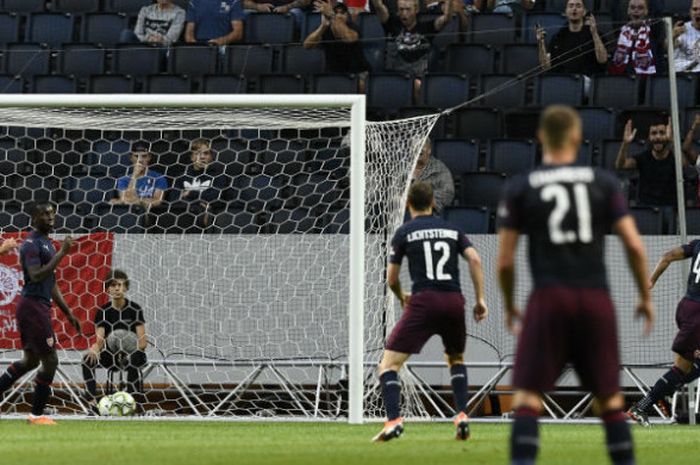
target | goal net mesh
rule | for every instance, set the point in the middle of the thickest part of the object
(244, 281)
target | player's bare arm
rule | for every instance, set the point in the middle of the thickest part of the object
(8, 245)
(141, 334)
(57, 297)
(670, 256)
(392, 278)
(636, 254)
(507, 243)
(93, 353)
(39, 273)
(477, 273)
(624, 162)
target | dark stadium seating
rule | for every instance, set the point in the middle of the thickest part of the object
(598, 123)
(692, 221)
(53, 85)
(249, 60)
(75, 6)
(26, 59)
(10, 84)
(298, 60)
(169, 84)
(676, 7)
(53, 29)
(502, 91)
(562, 89)
(335, 84)
(558, 6)
(649, 220)
(619, 91)
(658, 91)
(103, 28)
(510, 156)
(13, 218)
(111, 84)
(445, 90)
(193, 60)
(81, 60)
(9, 28)
(131, 7)
(521, 123)
(281, 84)
(550, 22)
(269, 28)
(481, 189)
(477, 123)
(475, 220)
(520, 59)
(137, 60)
(220, 84)
(119, 219)
(389, 92)
(471, 59)
(371, 31)
(492, 29)
(460, 156)
(22, 6)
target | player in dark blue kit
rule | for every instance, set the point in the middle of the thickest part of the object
(686, 345)
(566, 211)
(436, 305)
(39, 260)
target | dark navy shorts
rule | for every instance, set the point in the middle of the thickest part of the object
(687, 340)
(568, 325)
(428, 313)
(34, 323)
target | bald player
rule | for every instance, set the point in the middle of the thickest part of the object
(566, 211)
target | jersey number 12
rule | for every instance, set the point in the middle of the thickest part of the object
(562, 205)
(439, 271)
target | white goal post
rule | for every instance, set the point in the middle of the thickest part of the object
(134, 113)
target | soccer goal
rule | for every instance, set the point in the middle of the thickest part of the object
(269, 302)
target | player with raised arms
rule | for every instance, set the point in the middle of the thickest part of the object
(8, 245)
(39, 260)
(565, 211)
(436, 305)
(686, 345)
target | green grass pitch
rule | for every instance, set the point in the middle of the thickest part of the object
(212, 443)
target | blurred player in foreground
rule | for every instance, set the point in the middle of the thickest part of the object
(686, 345)
(39, 260)
(436, 306)
(566, 211)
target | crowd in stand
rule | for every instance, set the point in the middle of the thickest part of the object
(630, 41)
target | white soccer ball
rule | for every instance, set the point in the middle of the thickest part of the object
(122, 404)
(121, 340)
(104, 405)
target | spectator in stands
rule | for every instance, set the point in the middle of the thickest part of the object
(218, 22)
(409, 51)
(656, 165)
(433, 171)
(638, 43)
(199, 191)
(686, 41)
(160, 23)
(339, 38)
(460, 8)
(510, 6)
(143, 187)
(690, 152)
(577, 48)
(293, 7)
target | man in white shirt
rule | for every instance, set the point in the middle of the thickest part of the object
(161, 23)
(686, 41)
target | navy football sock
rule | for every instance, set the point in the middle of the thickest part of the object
(42, 391)
(618, 438)
(13, 373)
(459, 387)
(665, 386)
(391, 392)
(524, 437)
(694, 372)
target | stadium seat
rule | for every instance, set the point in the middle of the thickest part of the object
(219, 84)
(68, 221)
(23, 6)
(649, 220)
(481, 189)
(470, 59)
(692, 220)
(566, 89)
(598, 123)
(504, 91)
(585, 154)
(103, 28)
(676, 7)
(281, 84)
(521, 123)
(81, 60)
(9, 28)
(335, 84)
(558, 6)
(658, 91)
(298, 60)
(477, 123)
(27, 59)
(193, 60)
(235, 222)
(492, 29)
(269, 28)
(119, 219)
(550, 22)
(75, 6)
(111, 84)
(10, 84)
(53, 29)
(445, 90)
(337, 223)
(474, 220)
(130, 7)
(36, 188)
(617, 91)
(137, 60)
(459, 155)
(510, 156)
(520, 59)
(87, 192)
(371, 31)
(389, 92)
(249, 60)
(168, 84)
(311, 22)
(53, 85)
(13, 218)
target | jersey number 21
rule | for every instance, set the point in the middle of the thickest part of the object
(562, 204)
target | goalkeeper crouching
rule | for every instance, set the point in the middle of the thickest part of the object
(120, 339)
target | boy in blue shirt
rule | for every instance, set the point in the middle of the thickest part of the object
(142, 186)
(218, 22)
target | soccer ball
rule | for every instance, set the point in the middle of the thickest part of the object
(121, 340)
(104, 405)
(119, 404)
